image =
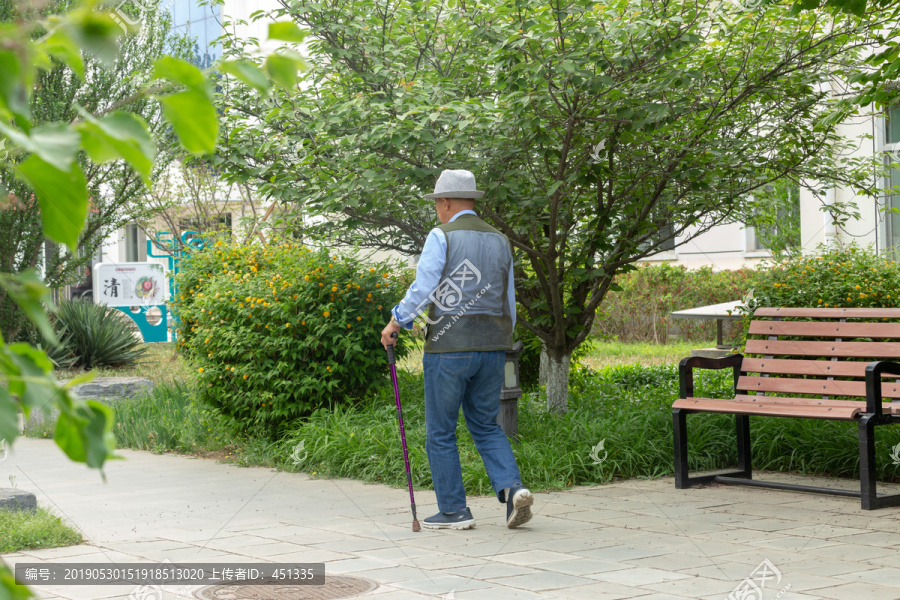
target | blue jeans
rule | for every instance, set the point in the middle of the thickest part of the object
(472, 380)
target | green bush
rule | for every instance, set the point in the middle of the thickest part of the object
(848, 277)
(92, 335)
(277, 332)
(639, 311)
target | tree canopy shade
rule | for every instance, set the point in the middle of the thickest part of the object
(600, 132)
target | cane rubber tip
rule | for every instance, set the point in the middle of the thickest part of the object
(416, 526)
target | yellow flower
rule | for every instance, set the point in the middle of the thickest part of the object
(200, 369)
(820, 300)
(334, 288)
(359, 318)
(857, 287)
(246, 376)
(372, 270)
(306, 278)
(348, 325)
(303, 322)
(287, 324)
(326, 314)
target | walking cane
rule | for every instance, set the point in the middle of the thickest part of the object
(393, 367)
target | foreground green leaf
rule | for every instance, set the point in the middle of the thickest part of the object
(62, 196)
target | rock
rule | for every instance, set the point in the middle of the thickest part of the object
(113, 387)
(14, 499)
(104, 389)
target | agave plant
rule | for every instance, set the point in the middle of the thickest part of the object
(96, 336)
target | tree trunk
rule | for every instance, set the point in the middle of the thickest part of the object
(557, 382)
(544, 367)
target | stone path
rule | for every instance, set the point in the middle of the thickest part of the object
(636, 539)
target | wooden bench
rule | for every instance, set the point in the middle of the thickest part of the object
(834, 357)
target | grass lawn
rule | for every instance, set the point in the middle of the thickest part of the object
(25, 530)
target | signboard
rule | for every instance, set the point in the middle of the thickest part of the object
(130, 284)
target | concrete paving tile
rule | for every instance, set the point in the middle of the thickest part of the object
(672, 562)
(858, 590)
(542, 581)
(497, 592)
(693, 587)
(584, 566)
(397, 554)
(52, 553)
(532, 557)
(392, 574)
(638, 576)
(352, 565)
(851, 552)
(442, 585)
(599, 591)
(886, 576)
(355, 545)
(491, 570)
(795, 544)
(833, 567)
(619, 553)
(566, 544)
(881, 539)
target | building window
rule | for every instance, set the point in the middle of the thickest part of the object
(891, 151)
(202, 25)
(132, 243)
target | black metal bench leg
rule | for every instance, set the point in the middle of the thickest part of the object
(867, 469)
(679, 427)
(742, 424)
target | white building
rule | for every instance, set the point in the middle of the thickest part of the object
(733, 246)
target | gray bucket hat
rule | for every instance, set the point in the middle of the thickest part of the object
(455, 183)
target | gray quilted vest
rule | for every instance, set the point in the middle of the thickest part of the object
(470, 308)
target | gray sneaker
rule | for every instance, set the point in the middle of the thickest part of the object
(518, 506)
(461, 519)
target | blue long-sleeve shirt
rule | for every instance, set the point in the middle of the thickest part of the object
(428, 276)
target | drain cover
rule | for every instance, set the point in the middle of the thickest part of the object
(336, 586)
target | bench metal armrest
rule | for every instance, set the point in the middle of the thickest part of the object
(874, 370)
(687, 365)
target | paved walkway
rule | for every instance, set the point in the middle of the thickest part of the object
(637, 539)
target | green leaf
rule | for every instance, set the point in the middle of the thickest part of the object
(30, 380)
(62, 197)
(119, 135)
(286, 31)
(283, 68)
(84, 432)
(191, 111)
(9, 416)
(95, 31)
(55, 143)
(194, 119)
(9, 589)
(61, 45)
(14, 93)
(29, 292)
(247, 72)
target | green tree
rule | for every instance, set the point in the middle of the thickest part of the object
(599, 131)
(116, 190)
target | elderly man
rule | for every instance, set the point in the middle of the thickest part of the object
(465, 281)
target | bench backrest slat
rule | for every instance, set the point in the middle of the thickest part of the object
(829, 313)
(785, 385)
(873, 350)
(825, 329)
(822, 368)
(819, 352)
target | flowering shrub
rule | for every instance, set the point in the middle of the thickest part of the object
(849, 277)
(639, 310)
(280, 331)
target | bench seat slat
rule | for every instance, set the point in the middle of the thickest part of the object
(825, 329)
(823, 387)
(887, 407)
(771, 409)
(823, 368)
(829, 313)
(889, 350)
